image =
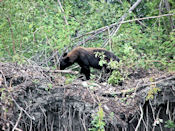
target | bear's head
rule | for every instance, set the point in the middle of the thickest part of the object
(65, 62)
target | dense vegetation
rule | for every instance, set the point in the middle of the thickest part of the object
(144, 38)
(31, 30)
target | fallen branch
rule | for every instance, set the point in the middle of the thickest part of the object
(21, 109)
(115, 29)
(144, 18)
(64, 71)
(15, 127)
(102, 29)
(138, 87)
(141, 117)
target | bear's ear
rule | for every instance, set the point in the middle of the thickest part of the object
(65, 54)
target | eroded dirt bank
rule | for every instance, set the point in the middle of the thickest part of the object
(37, 99)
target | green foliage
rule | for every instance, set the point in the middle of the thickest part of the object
(69, 79)
(170, 124)
(98, 120)
(5, 99)
(3, 94)
(102, 58)
(94, 14)
(153, 48)
(49, 86)
(111, 115)
(18, 58)
(152, 92)
(29, 28)
(116, 75)
(36, 81)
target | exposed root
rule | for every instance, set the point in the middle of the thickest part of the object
(33, 98)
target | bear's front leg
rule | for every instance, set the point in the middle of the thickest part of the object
(86, 72)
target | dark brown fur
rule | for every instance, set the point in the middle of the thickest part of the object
(85, 57)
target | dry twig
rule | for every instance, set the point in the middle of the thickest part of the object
(141, 117)
(17, 122)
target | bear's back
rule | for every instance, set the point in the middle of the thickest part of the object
(76, 52)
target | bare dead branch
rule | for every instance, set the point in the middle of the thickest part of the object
(115, 29)
(64, 71)
(146, 18)
(20, 108)
(17, 122)
(141, 117)
(62, 10)
(102, 29)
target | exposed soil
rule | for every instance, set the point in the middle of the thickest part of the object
(37, 99)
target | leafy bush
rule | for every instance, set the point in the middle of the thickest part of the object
(98, 120)
(33, 29)
(170, 124)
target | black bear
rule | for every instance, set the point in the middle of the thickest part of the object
(86, 58)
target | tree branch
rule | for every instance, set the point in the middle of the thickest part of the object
(10, 25)
(62, 10)
(64, 71)
(102, 29)
(115, 29)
